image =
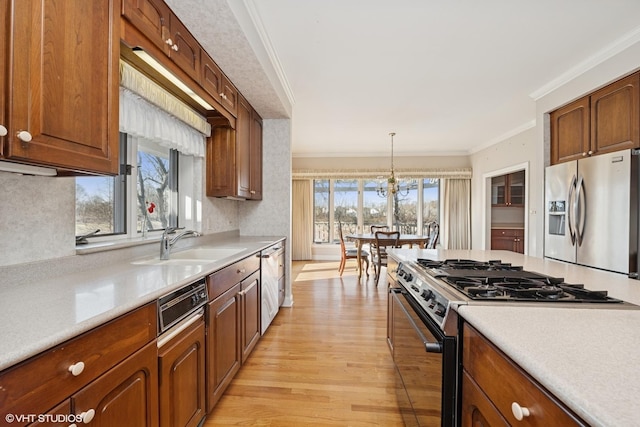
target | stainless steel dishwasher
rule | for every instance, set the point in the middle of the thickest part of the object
(271, 260)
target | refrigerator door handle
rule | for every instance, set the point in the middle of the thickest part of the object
(570, 210)
(581, 214)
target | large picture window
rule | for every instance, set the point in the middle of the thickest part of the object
(358, 204)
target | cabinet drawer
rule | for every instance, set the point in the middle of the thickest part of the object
(507, 232)
(37, 384)
(222, 280)
(504, 383)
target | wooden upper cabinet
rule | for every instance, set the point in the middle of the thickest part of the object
(606, 120)
(184, 49)
(255, 149)
(234, 157)
(210, 76)
(570, 131)
(229, 96)
(151, 17)
(615, 116)
(63, 76)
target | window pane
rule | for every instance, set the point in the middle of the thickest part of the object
(345, 205)
(153, 188)
(321, 211)
(374, 206)
(431, 204)
(405, 204)
(95, 205)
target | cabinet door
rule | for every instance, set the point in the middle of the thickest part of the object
(516, 189)
(251, 305)
(4, 24)
(477, 409)
(127, 395)
(182, 379)
(210, 76)
(64, 69)
(221, 160)
(151, 18)
(256, 156)
(229, 96)
(499, 190)
(243, 149)
(185, 50)
(615, 119)
(223, 343)
(570, 131)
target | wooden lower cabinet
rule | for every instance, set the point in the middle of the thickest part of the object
(182, 378)
(56, 417)
(492, 383)
(127, 395)
(507, 239)
(223, 343)
(250, 314)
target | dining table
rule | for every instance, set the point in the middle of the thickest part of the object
(361, 239)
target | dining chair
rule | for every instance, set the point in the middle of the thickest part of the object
(384, 240)
(372, 245)
(434, 232)
(351, 253)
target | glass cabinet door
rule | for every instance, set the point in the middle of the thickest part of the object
(516, 188)
(499, 190)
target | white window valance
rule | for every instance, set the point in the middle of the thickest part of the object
(141, 119)
(140, 84)
(457, 173)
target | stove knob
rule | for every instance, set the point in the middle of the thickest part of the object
(409, 277)
(433, 304)
(427, 295)
(440, 310)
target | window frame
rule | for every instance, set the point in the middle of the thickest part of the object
(332, 238)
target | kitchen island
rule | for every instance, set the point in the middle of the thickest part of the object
(586, 357)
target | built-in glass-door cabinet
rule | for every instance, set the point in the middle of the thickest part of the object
(508, 190)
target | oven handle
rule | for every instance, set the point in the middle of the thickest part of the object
(430, 347)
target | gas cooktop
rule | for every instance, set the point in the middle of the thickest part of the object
(437, 285)
(495, 280)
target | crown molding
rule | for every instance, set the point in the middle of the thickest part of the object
(598, 58)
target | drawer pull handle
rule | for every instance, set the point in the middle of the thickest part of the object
(87, 416)
(241, 271)
(76, 369)
(519, 412)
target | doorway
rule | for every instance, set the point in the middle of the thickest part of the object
(506, 197)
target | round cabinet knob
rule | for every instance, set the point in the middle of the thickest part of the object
(3, 131)
(590, 152)
(169, 42)
(175, 47)
(24, 136)
(584, 154)
(88, 416)
(76, 369)
(519, 412)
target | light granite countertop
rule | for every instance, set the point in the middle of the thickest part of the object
(36, 315)
(589, 358)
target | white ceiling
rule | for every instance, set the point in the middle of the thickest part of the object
(448, 76)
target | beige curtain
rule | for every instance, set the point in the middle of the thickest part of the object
(302, 221)
(456, 218)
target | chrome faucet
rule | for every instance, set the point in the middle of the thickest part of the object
(166, 243)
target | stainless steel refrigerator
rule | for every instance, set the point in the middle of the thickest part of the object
(591, 212)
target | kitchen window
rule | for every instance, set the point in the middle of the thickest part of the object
(161, 168)
(357, 204)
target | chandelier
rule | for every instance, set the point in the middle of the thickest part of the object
(391, 185)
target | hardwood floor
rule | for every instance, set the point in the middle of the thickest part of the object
(323, 362)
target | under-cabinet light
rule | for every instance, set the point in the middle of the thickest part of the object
(169, 76)
(26, 169)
